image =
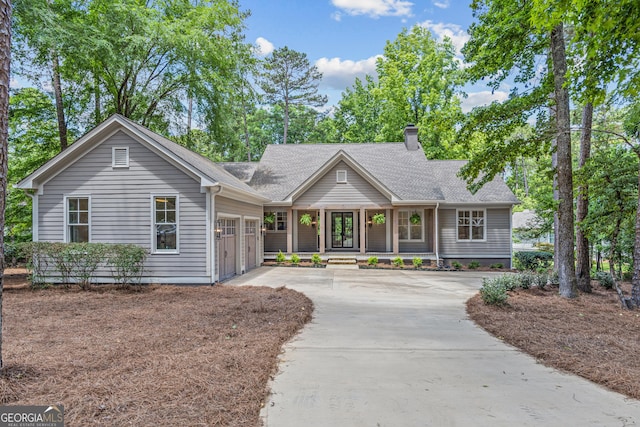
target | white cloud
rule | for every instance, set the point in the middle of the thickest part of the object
(484, 97)
(443, 4)
(339, 74)
(455, 32)
(374, 8)
(263, 47)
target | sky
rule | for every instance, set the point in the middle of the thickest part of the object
(344, 37)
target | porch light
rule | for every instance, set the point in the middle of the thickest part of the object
(218, 229)
(370, 222)
(263, 228)
(313, 222)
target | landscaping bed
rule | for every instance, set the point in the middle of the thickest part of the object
(591, 336)
(162, 356)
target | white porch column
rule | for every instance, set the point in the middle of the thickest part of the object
(396, 243)
(295, 230)
(363, 229)
(323, 229)
(388, 235)
(289, 230)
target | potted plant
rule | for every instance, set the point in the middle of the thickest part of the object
(378, 218)
(269, 217)
(306, 219)
(415, 218)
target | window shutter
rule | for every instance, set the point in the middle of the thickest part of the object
(120, 157)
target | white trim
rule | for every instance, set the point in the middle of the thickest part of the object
(410, 212)
(154, 250)
(115, 158)
(66, 213)
(35, 207)
(437, 234)
(341, 176)
(484, 225)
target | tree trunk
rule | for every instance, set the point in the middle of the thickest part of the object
(583, 266)
(566, 267)
(5, 60)
(57, 90)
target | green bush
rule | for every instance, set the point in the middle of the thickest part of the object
(38, 261)
(315, 259)
(605, 279)
(534, 260)
(544, 247)
(373, 260)
(86, 257)
(417, 262)
(280, 258)
(456, 265)
(127, 263)
(497, 265)
(295, 259)
(493, 292)
(473, 265)
(398, 262)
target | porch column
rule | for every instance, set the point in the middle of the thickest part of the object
(387, 233)
(323, 228)
(295, 230)
(396, 244)
(363, 229)
(290, 230)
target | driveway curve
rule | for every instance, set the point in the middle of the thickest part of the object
(396, 348)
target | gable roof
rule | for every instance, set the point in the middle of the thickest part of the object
(406, 175)
(209, 173)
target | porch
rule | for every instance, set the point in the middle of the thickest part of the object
(382, 256)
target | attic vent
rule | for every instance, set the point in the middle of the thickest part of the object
(341, 176)
(120, 157)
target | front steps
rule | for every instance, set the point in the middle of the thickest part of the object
(342, 260)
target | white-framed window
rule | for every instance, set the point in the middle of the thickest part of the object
(77, 219)
(471, 224)
(165, 223)
(120, 157)
(341, 176)
(410, 225)
(279, 221)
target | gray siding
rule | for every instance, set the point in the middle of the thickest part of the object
(274, 242)
(121, 204)
(307, 235)
(377, 234)
(497, 244)
(427, 244)
(355, 192)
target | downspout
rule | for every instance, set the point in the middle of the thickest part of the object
(437, 240)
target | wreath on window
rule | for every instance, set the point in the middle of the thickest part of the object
(415, 218)
(269, 218)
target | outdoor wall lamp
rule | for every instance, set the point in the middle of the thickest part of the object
(218, 229)
(313, 222)
(370, 222)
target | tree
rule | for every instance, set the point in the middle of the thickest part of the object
(287, 80)
(418, 80)
(5, 80)
(357, 117)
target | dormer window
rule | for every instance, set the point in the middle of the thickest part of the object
(341, 177)
(120, 157)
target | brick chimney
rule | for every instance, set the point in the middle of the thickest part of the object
(411, 137)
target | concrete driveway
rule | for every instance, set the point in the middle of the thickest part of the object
(389, 348)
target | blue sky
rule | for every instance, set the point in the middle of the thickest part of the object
(344, 37)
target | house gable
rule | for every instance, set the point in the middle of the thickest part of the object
(333, 189)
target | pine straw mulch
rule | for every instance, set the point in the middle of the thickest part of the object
(161, 356)
(591, 336)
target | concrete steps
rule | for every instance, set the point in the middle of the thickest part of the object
(342, 260)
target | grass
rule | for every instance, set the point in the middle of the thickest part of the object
(165, 356)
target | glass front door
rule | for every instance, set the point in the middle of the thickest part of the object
(342, 229)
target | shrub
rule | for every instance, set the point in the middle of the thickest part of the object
(86, 257)
(373, 260)
(295, 259)
(605, 279)
(280, 258)
(315, 259)
(497, 265)
(544, 247)
(127, 263)
(532, 260)
(417, 262)
(456, 265)
(493, 292)
(398, 262)
(473, 265)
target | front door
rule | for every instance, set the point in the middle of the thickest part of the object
(341, 230)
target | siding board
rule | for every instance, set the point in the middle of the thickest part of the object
(497, 244)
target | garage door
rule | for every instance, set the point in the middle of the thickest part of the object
(250, 243)
(227, 260)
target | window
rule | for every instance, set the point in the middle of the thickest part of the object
(410, 225)
(165, 214)
(279, 221)
(471, 225)
(120, 157)
(77, 219)
(341, 177)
